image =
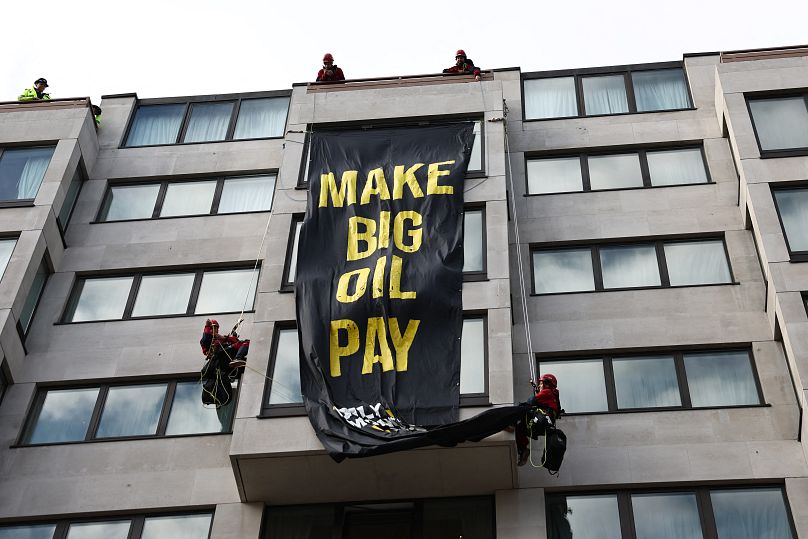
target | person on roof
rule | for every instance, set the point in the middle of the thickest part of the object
(330, 72)
(463, 66)
(547, 406)
(225, 358)
(36, 92)
(96, 114)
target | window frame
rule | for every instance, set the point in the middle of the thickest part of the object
(81, 171)
(137, 277)
(606, 358)
(794, 256)
(482, 275)
(775, 94)
(658, 242)
(5, 380)
(186, 115)
(478, 399)
(23, 332)
(624, 70)
(285, 409)
(641, 151)
(24, 202)
(288, 285)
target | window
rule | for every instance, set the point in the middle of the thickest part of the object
(781, 124)
(34, 294)
(473, 353)
(145, 410)
(208, 121)
(182, 526)
(4, 383)
(638, 265)
(600, 91)
(474, 241)
(166, 294)
(291, 253)
(22, 171)
(629, 170)
(697, 513)
(73, 189)
(6, 248)
(476, 158)
(610, 383)
(792, 207)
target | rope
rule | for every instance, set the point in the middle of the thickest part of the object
(252, 274)
(289, 396)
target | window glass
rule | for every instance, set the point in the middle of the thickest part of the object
(646, 382)
(177, 527)
(156, 124)
(697, 262)
(605, 94)
(472, 356)
(64, 416)
(293, 255)
(550, 98)
(102, 299)
(188, 417)
(33, 296)
(70, 199)
(132, 411)
(99, 530)
(720, 379)
(6, 248)
(209, 122)
(21, 172)
(249, 193)
(793, 207)
(666, 516)
(565, 270)
(674, 167)
(308, 521)
(130, 202)
(556, 175)
(615, 171)
(163, 294)
(583, 517)
(188, 198)
(662, 89)
(473, 241)
(285, 388)
(629, 266)
(42, 531)
(259, 118)
(751, 514)
(582, 383)
(225, 291)
(458, 517)
(476, 158)
(780, 123)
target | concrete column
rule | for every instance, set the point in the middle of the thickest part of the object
(237, 521)
(520, 514)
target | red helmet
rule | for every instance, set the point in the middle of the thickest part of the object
(460, 52)
(214, 323)
(549, 380)
(328, 57)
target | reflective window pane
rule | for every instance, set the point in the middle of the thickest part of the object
(550, 98)
(581, 382)
(64, 417)
(189, 417)
(132, 411)
(225, 291)
(70, 199)
(780, 123)
(22, 171)
(675, 167)
(249, 193)
(260, 118)
(614, 171)
(285, 388)
(564, 270)
(33, 296)
(40, 531)
(793, 207)
(130, 202)
(662, 89)
(646, 382)
(472, 356)
(208, 122)
(471, 517)
(720, 379)
(556, 175)
(473, 253)
(102, 299)
(629, 266)
(188, 198)
(6, 248)
(753, 513)
(156, 124)
(293, 255)
(99, 530)
(697, 262)
(476, 158)
(604, 94)
(666, 516)
(583, 517)
(163, 294)
(177, 527)
(307, 521)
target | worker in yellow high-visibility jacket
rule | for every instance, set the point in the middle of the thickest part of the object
(36, 92)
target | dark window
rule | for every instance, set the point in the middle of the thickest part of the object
(291, 253)
(33, 297)
(145, 410)
(6, 248)
(72, 195)
(617, 382)
(166, 294)
(182, 526)
(626, 170)
(792, 207)
(238, 194)
(781, 123)
(4, 383)
(636, 265)
(22, 171)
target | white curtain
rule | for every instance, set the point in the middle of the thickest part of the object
(697, 262)
(720, 379)
(260, 118)
(249, 193)
(156, 124)
(209, 122)
(646, 382)
(583, 386)
(629, 266)
(163, 294)
(663, 89)
(605, 94)
(666, 516)
(793, 206)
(755, 513)
(567, 270)
(781, 123)
(32, 173)
(550, 98)
(673, 167)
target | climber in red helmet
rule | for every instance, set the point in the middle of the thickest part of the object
(463, 65)
(330, 72)
(547, 405)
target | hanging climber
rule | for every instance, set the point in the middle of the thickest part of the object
(463, 66)
(546, 409)
(330, 72)
(36, 92)
(225, 358)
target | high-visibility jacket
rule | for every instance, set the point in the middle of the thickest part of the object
(30, 95)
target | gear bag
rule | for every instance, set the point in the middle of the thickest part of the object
(216, 383)
(555, 447)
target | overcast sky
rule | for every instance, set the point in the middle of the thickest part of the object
(178, 47)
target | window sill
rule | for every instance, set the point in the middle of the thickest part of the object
(156, 317)
(666, 409)
(123, 439)
(178, 217)
(776, 154)
(277, 137)
(642, 188)
(24, 203)
(536, 294)
(300, 411)
(606, 115)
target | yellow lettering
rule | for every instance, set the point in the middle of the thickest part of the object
(378, 277)
(402, 343)
(384, 229)
(402, 178)
(338, 351)
(376, 330)
(395, 280)
(345, 281)
(415, 235)
(433, 173)
(368, 236)
(347, 189)
(376, 185)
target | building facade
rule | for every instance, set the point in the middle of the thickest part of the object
(636, 230)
